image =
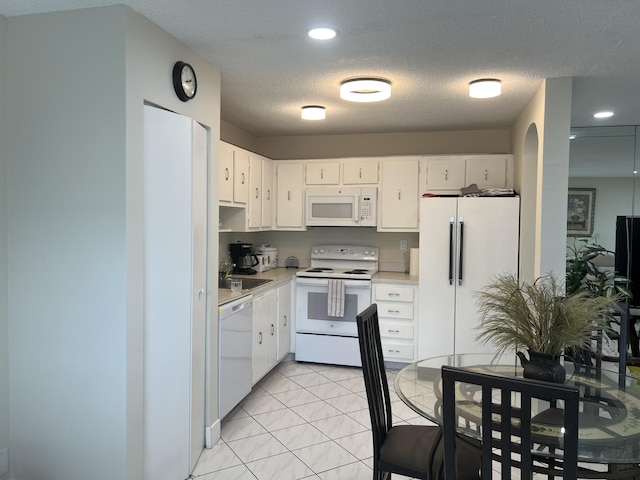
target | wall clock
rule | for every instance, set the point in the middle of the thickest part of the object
(184, 81)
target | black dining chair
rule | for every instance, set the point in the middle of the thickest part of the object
(410, 450)
(505, 427)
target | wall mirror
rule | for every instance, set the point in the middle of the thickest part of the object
(602, 160)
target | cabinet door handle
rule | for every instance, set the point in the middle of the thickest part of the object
(289, 195)
(259, 338)
(257, 194)
(242, 176)
(273, 330)
(360, 173)
(268, 194)
(446, 174)
(399, 194)
(321, 173)
(226, 174)
(486, 175)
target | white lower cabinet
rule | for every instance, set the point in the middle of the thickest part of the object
(397, 317)
(265, 339)
(284, 320)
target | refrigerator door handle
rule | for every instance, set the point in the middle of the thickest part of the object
(451, 229)
(460, 250)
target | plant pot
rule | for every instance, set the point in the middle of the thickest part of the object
(541, 366)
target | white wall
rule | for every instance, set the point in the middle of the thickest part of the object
(4, 342)
(549, 111)
(298, 244)
(75, 240)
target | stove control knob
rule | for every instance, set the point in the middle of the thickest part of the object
(315, 250)
(366, 252)
(322, 250)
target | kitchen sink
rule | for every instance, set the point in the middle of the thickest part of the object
(247, 283)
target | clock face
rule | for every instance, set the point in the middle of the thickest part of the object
(184, 81)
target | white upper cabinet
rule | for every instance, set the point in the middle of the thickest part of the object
(267, 193)
(446, 175)
(226, 173)
(254, 217)
(325, 173)
(488, 171)
(356, 172)
(398, 198)
(289, 196)
(240, 176)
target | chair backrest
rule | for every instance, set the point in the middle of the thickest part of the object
(505, 427)
(375, 377)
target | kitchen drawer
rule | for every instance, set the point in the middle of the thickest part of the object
(395, 293)
(395, 310)
(397, 351)
(396, 330)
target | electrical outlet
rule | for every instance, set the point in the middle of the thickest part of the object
(4, 462)
(403, 245)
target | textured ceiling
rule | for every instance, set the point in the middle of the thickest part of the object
(429, 49)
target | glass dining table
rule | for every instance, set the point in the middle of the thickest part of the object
(608, 422)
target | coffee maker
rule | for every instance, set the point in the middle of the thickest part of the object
(243, 258)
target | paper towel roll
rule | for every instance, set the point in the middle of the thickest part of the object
(414, 261)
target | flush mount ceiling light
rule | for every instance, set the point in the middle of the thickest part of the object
(603, 115)
(365, 89)
(313, 112)
(322, 33)
(485, 88)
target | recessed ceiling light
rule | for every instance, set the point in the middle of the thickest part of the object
(603, 114)
(572, 136)
(322, 33)
(313, 112)
(365, 89)
(485, 88)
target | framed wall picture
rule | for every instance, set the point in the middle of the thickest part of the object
(580, 211)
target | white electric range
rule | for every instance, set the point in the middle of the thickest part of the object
(322, 334)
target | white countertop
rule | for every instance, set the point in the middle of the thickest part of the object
(278, 275)
(395, 277)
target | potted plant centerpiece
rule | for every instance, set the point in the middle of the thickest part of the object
(540, 318)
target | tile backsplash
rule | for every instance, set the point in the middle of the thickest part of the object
(298, 244)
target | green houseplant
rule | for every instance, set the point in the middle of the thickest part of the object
(584, 274)
(540, 318)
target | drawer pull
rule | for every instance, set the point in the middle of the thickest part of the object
(393, 351)
(392, 311)
(393, 294)
(260, 338)
(393, 331)
(226, 174)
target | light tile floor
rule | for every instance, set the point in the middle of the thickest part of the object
(302, 420)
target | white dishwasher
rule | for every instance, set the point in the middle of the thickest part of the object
(235, 323)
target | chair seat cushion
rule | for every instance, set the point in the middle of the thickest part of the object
(406, 451)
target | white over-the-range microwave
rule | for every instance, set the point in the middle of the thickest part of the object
(341, 207)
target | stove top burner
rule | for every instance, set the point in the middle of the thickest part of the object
(319, 270)
(358, 271)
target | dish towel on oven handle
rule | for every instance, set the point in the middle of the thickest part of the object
(335, 298)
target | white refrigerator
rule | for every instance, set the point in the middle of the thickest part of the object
(465, 242)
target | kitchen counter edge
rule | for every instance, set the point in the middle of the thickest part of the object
(395, 277)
